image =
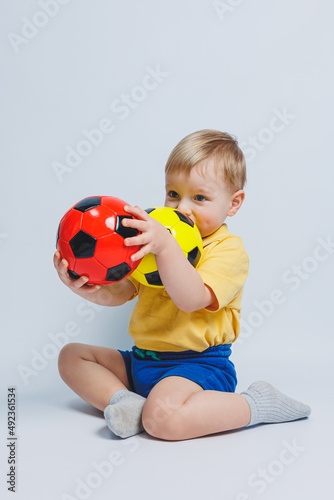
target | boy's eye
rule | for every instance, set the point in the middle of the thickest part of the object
(173, 194)
(200, 197)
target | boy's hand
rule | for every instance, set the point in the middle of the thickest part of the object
(154, 236)
(78, 286)
(181, 280)
(114, 294)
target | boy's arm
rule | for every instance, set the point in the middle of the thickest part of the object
(108, 295)
(182, 282)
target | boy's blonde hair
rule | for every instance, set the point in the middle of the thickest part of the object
(204, 144)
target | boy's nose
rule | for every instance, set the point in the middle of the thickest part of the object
(185, 208)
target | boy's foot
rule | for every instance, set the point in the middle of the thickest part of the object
(123, 415)
(268, 405)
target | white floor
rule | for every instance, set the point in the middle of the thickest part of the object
(65, 452)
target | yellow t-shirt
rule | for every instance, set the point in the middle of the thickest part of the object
(156, 323)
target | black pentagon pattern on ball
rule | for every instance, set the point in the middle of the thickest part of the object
(149, 210)
(193, 256)
(88, 203)
(153, 278)
(83, 245)
(117, 273)
(73, 274)
(184, 218)
(58, 235)
(125, 232)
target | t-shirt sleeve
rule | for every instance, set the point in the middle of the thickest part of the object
(224, 268)
(136, 285)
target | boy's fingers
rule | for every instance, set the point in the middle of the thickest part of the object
(79, 282)
(62, 268)
(131, 242)
(63, 265)
(92, 288)
(128, 208)
(82, 283)
(137, 211)
(63, 271)
(144, 250)
(135, 223)
(143, 238)
(56, 258)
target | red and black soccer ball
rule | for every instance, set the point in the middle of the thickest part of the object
(91, 238)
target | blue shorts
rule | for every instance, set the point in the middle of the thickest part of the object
(211, 369)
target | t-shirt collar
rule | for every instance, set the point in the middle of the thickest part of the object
(221, 233)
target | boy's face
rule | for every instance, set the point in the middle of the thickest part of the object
(202, 197)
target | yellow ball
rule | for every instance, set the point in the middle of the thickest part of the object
(186, 234)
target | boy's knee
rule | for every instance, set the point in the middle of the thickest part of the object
(163, 425)
(67, 355)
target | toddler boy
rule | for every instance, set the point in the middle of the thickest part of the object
(178, 381)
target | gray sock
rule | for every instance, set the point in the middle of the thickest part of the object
(268, 405)
(123, 415)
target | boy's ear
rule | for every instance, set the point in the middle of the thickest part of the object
(237, 200)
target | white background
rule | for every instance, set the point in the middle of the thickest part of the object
(262, 71)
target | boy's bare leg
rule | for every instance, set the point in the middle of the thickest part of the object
(178, 409)
(94, 373)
